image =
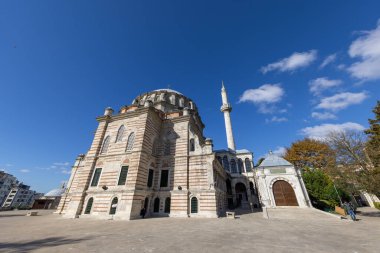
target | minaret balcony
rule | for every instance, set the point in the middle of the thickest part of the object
(226, 107)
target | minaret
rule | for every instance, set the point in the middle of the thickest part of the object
(226, 109)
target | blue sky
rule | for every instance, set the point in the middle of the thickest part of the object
(291, 68)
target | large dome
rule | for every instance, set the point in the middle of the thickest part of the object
(166, 100)
(168, 90)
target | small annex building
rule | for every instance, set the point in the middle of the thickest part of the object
(50, 200)
(280, 184)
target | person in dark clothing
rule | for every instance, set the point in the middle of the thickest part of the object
(349, 209)
(142, 212)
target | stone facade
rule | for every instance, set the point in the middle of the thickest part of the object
(151, 157)
(280, 184)
(163, 139)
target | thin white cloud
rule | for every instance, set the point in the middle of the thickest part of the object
(62, 164)
(64, 171)
(292, 63)
(24, 170)
(276, 119)
(322, 131)
(367, 48)
(316, 86)
(279, 151)
(341, 101)
(267, 93)
(329, 59)
(63, 167)
(323, 115)
(264, 97)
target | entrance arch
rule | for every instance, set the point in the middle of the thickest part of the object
(241, 193)
(284, 194)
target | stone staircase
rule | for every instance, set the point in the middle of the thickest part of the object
(293, 213)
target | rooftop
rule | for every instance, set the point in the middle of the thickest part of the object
(55, 192)
(273, 160)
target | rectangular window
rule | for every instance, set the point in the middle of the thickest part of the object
(123, 175)
(96, 177)
(164, 178)
(150, 178)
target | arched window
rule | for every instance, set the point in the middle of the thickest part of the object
(233, 166)
(194, 205)
(131, 140)
(146, 204)
(247, 165)
(106, 143)
(167, 148)
(156, 207)
(89, 206)
(113, 206)
(192, 144)
(172, 99)
(226, 164)
(240, 166)
(167, 205)
(120, 134)
(229, 187)
(181, 102)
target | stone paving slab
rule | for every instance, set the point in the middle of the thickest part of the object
(248, 233)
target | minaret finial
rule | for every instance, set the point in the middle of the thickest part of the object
(223, 85)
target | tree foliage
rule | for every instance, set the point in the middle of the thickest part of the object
(373, 133)
(354, 169)
(260, 161)
(310, 153)
(321, 188)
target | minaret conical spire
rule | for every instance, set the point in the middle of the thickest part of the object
(226, 109)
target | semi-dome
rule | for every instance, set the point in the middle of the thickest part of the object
(166, 100)
(55, 192)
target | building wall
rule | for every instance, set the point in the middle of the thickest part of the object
(20, 196)
(190, 172)
(7, 181)
(266, 177)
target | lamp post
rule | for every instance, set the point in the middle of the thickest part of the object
(340, 200)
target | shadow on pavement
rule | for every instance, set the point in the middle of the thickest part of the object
(28, 246)
(11, 215)
(370, 214)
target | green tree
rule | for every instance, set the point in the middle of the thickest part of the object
(321, 188)
(373, 150)
(260, 161)
(373, 133)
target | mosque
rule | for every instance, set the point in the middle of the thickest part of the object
(152, 155)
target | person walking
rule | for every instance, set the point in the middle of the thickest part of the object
(142, 212)
(349, 209)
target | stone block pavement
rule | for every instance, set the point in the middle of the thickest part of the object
(248, 233)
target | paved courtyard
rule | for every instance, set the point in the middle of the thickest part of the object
(248, 233)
